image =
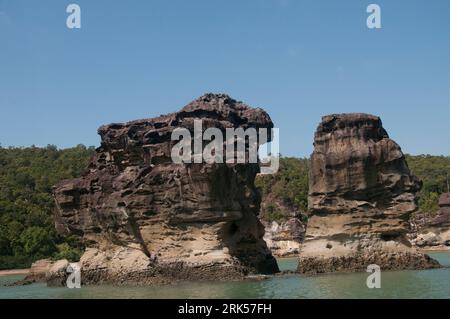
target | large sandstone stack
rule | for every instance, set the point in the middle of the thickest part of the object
(145, 219)
(361, 197)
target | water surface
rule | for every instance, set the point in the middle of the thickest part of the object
(433, 283)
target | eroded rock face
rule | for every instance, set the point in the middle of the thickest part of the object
(360, 199)
(146, 219)
(432, 232)
(284, 238)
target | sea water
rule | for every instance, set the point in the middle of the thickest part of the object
(433, 283)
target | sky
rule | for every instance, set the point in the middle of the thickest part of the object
(299, 60)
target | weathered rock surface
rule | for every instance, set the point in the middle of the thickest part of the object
(37, 273)
(57, 274)
(284, 238)
(283, 219)
(284, 226)
(39, 269)
(146, 219)
(360, 199)
(432, 232)
(46, 270)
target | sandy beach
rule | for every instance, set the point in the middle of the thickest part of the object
(14, 272)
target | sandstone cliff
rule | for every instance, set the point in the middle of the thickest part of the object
(360, 199)
(145, 219)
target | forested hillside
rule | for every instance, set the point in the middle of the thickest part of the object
(289, 188)
(433, 171)
(286, 193)
(26, 204)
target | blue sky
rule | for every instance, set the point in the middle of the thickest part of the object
(297, 59)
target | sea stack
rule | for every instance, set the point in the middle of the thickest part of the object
(145, 219)
(361, 196)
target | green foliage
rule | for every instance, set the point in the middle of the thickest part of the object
(65, 251)
(26, 204)
(36, 241)
(433, 171)
(285, 190)
(429, 203)
(273, 214)
(15, 262)
(289, 187)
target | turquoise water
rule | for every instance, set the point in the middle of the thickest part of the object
(434, 283)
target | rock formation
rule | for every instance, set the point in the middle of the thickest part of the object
(284, 238)
(283, 211)
(360, 199)
(432, 232)
(46, 270)
(284, 224)
(145, 219)
(37, 273)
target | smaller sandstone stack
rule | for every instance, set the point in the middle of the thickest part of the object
(360, 199)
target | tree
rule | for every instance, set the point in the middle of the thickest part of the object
(26, 203)
(37, 242)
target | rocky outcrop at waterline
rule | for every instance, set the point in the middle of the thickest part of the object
(37, 273)
(360, 199)
(432, 232)
(55, 273)
(146, 220)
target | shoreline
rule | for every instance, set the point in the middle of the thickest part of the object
(12, 272)
(437, 250)
(286, 257)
